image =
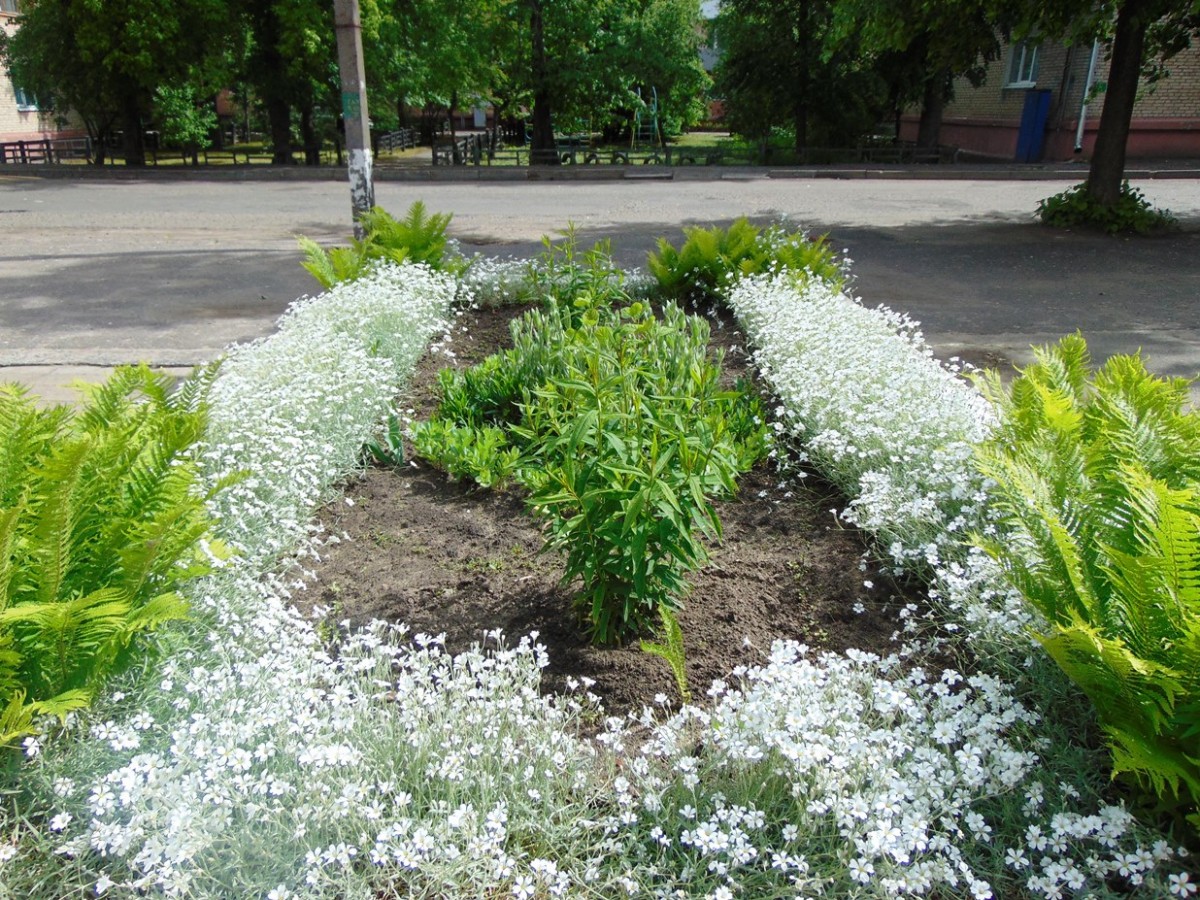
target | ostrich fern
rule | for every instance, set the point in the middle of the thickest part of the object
(419, 237)
(1097, 480)
(100, 522)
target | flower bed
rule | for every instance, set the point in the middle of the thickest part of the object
(258, 759)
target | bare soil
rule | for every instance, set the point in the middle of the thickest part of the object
(449, 557)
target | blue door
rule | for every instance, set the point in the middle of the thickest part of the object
(1032, 135)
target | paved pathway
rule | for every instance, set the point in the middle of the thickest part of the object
(101, 272)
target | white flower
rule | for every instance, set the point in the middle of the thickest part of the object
(1182, 885)
(524, 887)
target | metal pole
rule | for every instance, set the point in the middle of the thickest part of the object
(1087, 89)
(354, 108)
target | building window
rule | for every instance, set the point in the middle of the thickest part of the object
(1022, 68)
(8, 6)
(26, 102)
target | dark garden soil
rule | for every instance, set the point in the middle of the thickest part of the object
(449, 557)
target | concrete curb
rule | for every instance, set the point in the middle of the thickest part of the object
(384, 172)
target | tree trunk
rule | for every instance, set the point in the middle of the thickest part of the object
(133, 140)
(279, 114)
(98, 135)
(542, 149)
(800, 124)
(1108, 158)
(309, 136)
(800, 96)
(933, 105)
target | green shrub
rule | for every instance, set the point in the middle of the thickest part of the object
(632, 442)
(623, 437)
(100, 523)
(1098, 483)
(481, 453)
(700, 268)
(418, 237)
(563, 272)
(1076, 208)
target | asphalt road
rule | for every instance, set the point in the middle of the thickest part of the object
(98, 273)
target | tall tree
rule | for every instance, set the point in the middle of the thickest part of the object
(921, 47)
(291, 64)
(1143, 34)
(660, 50)
(785, 64)
(106, 60)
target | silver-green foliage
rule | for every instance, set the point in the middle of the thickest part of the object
(1098, 482)
(100, 523)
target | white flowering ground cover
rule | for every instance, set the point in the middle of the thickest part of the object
(262, 757)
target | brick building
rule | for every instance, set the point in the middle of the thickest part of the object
(987, 121)
(20, 118)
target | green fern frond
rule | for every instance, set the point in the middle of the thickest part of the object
(127, 387)
(26, 432)
(671, 649)
(17, 717)
(1129, 692)
(1097, 480)
(1165, 770)
(317, 262)
(8, 532)
(52, 538)
(103, 524)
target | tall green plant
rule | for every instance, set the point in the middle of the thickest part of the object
(1097, 480)
(564, 272)
(623, 436)
(709, 257)
(100, 523)
(419, 237)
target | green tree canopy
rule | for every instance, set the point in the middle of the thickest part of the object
(107, 60)
(785, 64)
(919, 47)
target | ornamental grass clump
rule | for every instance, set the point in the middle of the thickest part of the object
(1097, 479)
(102, 523)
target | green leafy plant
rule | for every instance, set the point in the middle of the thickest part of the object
(633, 440)
(564, 272)
(387, 449)
(483, 454)
(670, 648)
(419, 237)
(1076, 208)
(1097, 479)
(623, 435)
(708, 257)
(100, 523)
